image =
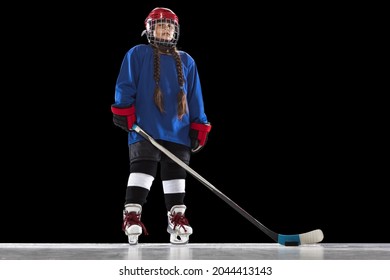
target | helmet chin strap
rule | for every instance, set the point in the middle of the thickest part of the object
(164, 45)
(163, 49)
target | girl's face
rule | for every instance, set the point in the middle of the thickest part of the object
(164, 31)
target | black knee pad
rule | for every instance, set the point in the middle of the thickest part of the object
(144, 166)
(171, 170)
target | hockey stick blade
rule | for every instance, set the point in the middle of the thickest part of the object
(310, 237)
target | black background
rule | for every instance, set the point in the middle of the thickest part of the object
(296, 139)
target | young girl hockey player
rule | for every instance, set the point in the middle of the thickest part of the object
(158, 88)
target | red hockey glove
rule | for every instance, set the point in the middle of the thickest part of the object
(198, 134)
(124, 117)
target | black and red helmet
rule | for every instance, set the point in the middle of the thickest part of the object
(161, 15)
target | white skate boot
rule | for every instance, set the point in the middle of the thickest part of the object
(178, 226)
(132, 226)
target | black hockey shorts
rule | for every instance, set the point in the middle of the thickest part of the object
(144, 158)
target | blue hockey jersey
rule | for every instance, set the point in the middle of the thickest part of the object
(135, 85)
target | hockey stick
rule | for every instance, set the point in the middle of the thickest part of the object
(310, 237)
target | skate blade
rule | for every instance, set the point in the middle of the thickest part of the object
(179, 239)
(133, 239)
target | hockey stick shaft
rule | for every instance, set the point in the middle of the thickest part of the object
(293, 239)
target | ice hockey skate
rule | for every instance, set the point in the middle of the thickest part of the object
(178, 226)
(132, 225)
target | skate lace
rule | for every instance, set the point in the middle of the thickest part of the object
(178, 219)
(132, 218)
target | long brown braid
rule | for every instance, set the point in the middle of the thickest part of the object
(158, 97)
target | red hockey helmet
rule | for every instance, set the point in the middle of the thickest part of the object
(161, 15)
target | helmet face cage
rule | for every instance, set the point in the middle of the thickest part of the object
(169, 25)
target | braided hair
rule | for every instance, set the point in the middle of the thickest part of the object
(158, 95)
